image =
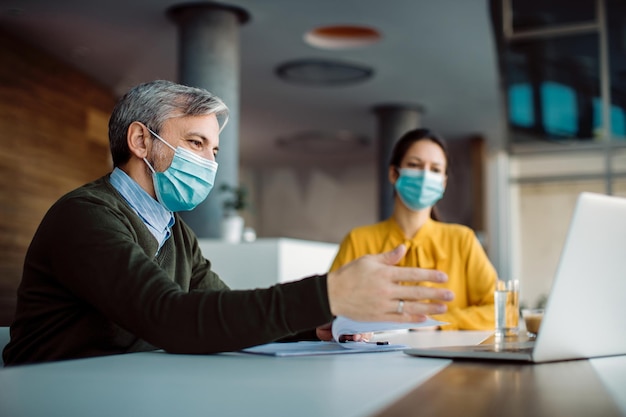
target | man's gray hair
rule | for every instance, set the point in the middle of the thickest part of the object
(152, 104)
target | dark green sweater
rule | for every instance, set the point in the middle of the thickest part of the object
(92, 286)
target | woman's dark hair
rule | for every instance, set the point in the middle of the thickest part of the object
(407, 140)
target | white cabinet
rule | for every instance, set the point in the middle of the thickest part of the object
(267, 261)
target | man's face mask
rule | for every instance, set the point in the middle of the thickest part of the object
(186, 182)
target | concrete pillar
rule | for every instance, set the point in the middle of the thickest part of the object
(394, 120)
(208, 57)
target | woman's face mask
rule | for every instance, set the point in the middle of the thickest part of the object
(419, 189)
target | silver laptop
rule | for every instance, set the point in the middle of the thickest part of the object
(585, 315)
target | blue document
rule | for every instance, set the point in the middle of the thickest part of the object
(319, 348)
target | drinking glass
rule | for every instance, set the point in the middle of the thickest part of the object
(506, 304)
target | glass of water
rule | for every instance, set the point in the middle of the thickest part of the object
(506, 304)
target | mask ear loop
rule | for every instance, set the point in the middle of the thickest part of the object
(149, 166)
(144, 158)
(161, 139)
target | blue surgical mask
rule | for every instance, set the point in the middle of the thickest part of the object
(186, 183)
(419, 189)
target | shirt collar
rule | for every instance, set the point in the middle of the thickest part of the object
(422, 234)
(149, 209)
(422, 249)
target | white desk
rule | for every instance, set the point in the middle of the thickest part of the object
(161, 384)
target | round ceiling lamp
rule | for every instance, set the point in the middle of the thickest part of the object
(320, 72)
(342, 37)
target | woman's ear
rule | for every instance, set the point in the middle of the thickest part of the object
(137, 139)
(393, 174)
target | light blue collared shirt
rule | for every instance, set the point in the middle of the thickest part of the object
(157, 218)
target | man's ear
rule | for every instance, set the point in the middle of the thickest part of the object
(137, 138)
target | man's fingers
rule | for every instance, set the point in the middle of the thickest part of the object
(405, 318)
(415, 308)
(419, 308)
(419, 292)
(394, 256)
(370, 289)
(417, 275)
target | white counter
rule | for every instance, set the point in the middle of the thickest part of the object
(267, 261)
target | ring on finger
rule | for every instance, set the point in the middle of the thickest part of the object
(400, 308)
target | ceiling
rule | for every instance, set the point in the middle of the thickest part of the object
(438, 54)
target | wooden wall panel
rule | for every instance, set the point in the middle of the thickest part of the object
(53, 138)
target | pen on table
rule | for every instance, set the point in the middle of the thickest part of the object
(379, 343)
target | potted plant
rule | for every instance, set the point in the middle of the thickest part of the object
(238, 200)
(232, 223)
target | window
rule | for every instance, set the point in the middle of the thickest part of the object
(552, 69)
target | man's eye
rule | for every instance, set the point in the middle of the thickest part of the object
(195, 143)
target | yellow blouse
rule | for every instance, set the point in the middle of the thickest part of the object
(450, 248)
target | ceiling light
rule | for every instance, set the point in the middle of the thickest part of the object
(320, 142)
(342, 37)
(323, 72)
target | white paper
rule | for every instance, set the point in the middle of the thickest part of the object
(342, 326)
